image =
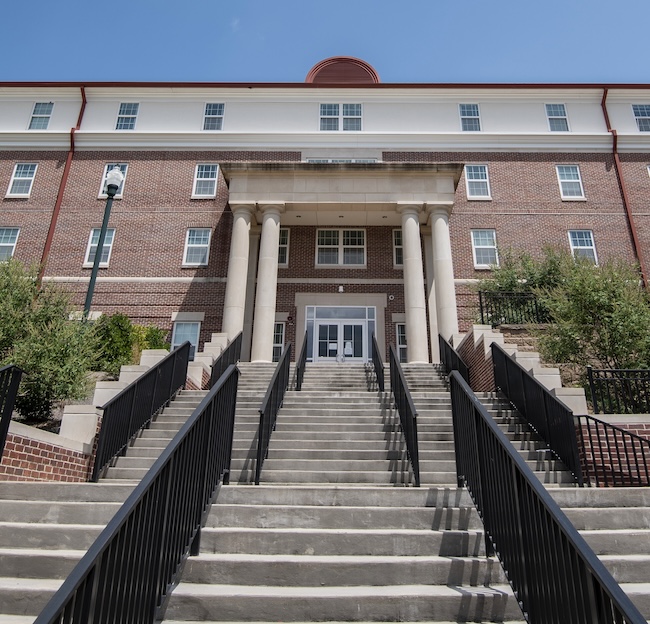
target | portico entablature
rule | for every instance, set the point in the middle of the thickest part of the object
(342, 194)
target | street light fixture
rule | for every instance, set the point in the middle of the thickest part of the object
(114, 179)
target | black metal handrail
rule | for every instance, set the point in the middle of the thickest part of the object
(230, 355)
(137, 405)
(555, 575)
(378, 364)
(451, 360)
(619, 390)
(612, 456)
(548, 416)
(513, 308)
(129, 570)
(269, 409)
(301, 364)
(406, 410)
(10, 376)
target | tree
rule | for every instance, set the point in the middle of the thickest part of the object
(37, 334)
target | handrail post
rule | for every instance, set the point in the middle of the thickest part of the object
(10, 377)
(378, 364)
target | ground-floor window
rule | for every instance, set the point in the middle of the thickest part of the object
(278, 341)
(400, 333)
(184, 331)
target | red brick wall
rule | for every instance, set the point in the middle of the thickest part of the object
(481, 372)
(25, 459)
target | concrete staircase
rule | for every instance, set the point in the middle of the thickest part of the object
(45, 528)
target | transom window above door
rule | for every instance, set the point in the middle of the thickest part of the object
(341, 248)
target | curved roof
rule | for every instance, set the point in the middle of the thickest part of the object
(342, 70)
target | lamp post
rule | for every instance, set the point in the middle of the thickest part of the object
(114, 179)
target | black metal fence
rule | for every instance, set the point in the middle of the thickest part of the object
(550, 418)
(301, 364)
(555, 575)
(378, 364)
(510, 308)
(230, 355)
(619, 390)
(270, 408)
(137, 405)
(130, 569)
(450, 359)
(407, 412)
(612, 456)
(10, 376)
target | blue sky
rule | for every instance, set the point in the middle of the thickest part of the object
(280, 40)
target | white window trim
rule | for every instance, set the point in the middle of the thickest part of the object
(487, 197)
(206, 116)
(461, 116)
(637, 118)
(284, 339)
(198, 337)
(399, 345)
(475, 247)
(397, 265)
(579, 180)
(340, 264)
(187, 246)
(13, 178)
(565, 117)
(288, 231)
(196, 195)
(13, 248)
(34, 115)
(340, 117)
(135, 118)
(87, 263)
(124, 167)
(592, 247)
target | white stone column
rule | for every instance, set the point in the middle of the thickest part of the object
(414, 298)
(235, 299)
(267, 285)
(443, 270)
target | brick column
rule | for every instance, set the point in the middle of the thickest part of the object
(414, 299)
(267, 285)
(235, 299)
(443, 270)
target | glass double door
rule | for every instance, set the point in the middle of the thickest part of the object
(340, 341)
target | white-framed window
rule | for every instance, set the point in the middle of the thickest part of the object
(557, 118)
(205, 181)
(278, 341)
(470, 119)
(642, 116)
(91, 249)
(568, 177)
(8, 240)
(582, 245)
(345, 117)
(184, 331)
(213, 116)
(400, 335)
(398, 248)
(283, 247)
(41, 114)
(123, 167)
(477, 182)
(197, 247)
(484, 249)
(22, 180)
(127, 115)
(340, 247)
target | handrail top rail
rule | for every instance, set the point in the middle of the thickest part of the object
(145, 374)
(453, 349)
(9, 367)
(533, 378)
(617, 428)
(619, 370)
(400, 372)
(103, 540)
(595, 565)
(276, 372)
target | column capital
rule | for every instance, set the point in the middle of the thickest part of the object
(406, 207)
(270, 208)
(440, 209)
(242, 209)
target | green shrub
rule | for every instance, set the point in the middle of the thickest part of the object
(116, 339)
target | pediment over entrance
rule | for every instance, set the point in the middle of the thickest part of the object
(342, 194)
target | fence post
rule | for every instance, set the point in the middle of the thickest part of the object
(480, 302)
(592, 389)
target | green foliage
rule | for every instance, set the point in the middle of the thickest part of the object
(600, 316)
(36, 333)
(148, 337)
(116, 338)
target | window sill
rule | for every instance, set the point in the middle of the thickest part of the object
(574, 199)
(485, 267)
(16, 196)
(203, 196)
(340, 266)
(193, 266)
(481, 198)
(88, 265)
(104, 196)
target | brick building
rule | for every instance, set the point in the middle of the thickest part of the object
(336, 207)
